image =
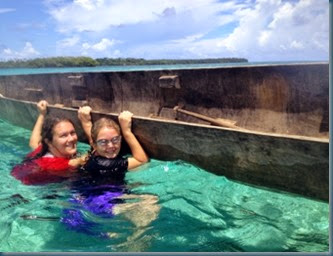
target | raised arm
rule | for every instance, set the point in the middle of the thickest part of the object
(139, 155)
(85, 119)
(36, 135)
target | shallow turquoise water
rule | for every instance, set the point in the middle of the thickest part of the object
(24, 71)
(199, 211)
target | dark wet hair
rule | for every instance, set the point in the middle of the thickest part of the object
(48, 132)
(101, 123)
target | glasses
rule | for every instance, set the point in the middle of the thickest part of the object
(103, 143)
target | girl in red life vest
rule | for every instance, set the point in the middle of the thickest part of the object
(53, 159)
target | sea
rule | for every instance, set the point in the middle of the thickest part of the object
(27, 71)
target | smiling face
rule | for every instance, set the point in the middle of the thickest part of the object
(108, 142)
(64, 140)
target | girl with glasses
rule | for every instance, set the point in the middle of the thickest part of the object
(101, 188)
(105, 137)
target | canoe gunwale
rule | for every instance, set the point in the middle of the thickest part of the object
(240, 130)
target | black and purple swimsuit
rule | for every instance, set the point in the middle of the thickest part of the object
(100, 184)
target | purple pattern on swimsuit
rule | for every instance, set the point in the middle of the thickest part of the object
(98, 193)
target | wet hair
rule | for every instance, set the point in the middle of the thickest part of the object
(48, 132)
(102, 123)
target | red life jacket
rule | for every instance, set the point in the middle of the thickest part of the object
(42, 170)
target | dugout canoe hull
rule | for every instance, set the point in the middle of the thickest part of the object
(282, 112)
(289, 163)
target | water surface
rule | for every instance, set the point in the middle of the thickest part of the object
(199, 212)
(27, 71)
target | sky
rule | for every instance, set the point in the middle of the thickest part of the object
(258, 30)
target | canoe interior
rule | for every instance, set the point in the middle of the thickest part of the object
(283, 99)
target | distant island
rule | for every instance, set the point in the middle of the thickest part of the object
(90, 62)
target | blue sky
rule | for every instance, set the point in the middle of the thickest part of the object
(259, 30)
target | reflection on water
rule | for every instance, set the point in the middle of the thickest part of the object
(172, 206)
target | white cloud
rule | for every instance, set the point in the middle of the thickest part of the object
(7, 51)
(27, 52)
(86, 4)
(103, 45)
(279, 29)
(150, 22)
(75, 45)
(255, 29)
(98, 15)
(181, 49)
(264, 37)
(296, 45)
(68, 42)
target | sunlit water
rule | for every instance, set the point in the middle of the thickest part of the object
(199, 211)
(24, 71)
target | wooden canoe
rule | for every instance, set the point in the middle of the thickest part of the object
(277, 138)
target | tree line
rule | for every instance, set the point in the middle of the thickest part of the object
(90, 62)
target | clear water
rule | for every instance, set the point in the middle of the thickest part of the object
(199, 212)
(25, 71)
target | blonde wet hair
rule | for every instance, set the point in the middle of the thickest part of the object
(102, 123)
